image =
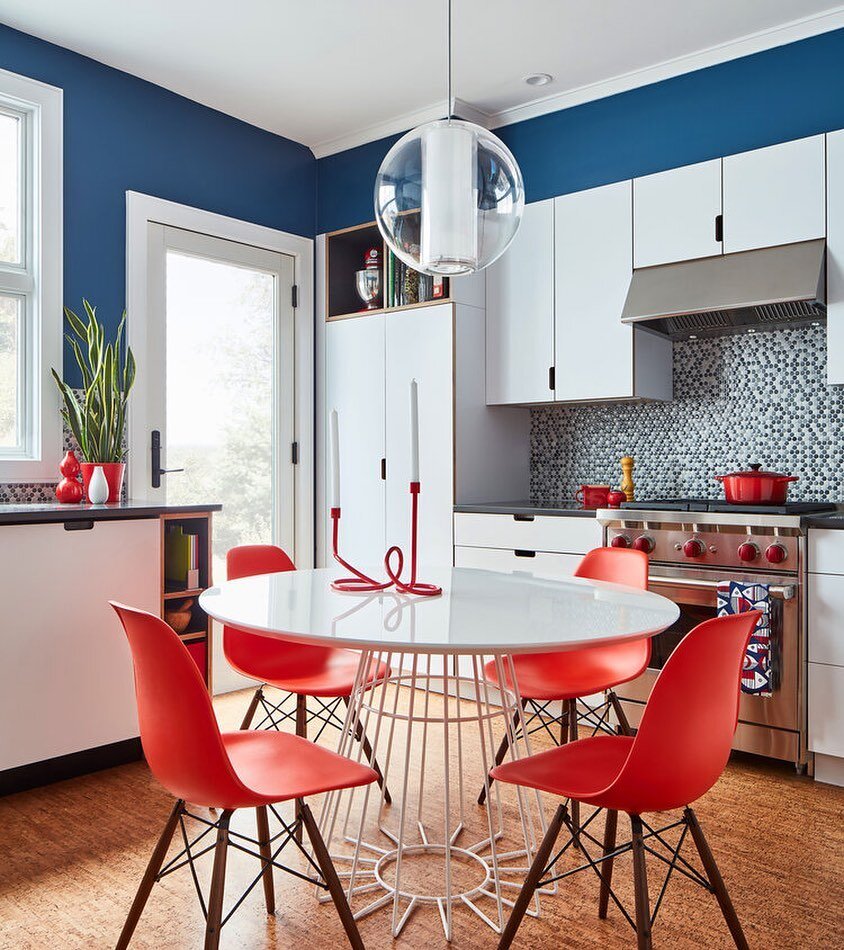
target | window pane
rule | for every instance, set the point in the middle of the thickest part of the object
(10, 343)
(11, 190)
(220, 337)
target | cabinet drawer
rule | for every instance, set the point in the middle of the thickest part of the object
(826, 709)
(826, 619)
(539, 533)
(541, 564)
(826, 551)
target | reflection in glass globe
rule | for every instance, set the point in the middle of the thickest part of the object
(449, 198)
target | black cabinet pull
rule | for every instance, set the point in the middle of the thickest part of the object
(719, 227)
(552, 378)
(85, 525)
(383, 470)
(522, 517)
(525, 553)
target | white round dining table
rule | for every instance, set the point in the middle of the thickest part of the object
(421, 694)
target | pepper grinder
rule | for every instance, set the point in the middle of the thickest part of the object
(627, 485)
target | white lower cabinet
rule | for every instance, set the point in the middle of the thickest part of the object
(66, 676)
(825, 648)
(557, 533)
(535, 563)
(826, 709)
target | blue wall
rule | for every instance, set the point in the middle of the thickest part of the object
(774, 96)
(122, 133)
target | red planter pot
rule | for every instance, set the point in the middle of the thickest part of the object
(113, 471)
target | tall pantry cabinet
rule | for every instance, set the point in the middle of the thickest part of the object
(468, 452)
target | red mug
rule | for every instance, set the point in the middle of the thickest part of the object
(593, 496)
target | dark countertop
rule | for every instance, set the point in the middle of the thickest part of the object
(567, 508)
(833, 520)
(55, 513)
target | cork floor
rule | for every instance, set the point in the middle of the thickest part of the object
(75, 851)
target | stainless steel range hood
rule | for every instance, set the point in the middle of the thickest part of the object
(712, 296)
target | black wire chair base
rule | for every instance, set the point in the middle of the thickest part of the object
(669, 855)
(189, 855)
(645, 840)
(275, 715)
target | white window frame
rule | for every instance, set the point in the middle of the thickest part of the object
(39, 280)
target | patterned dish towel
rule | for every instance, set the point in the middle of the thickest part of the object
(733, 598)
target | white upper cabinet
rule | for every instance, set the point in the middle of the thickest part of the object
(774, 195)
(674, 214)
(596, 355)
(835, 258)
(520, 313)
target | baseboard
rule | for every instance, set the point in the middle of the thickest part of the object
(63, 767)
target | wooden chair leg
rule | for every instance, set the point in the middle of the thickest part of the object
(335, 888)
(363, 739)
(715, 879)
(610, 829)
(253, 705)
(499, 755)
(213, 924)
(266, 852)
(301, 730)
(623, 722)
(151, 873)
(640, 886)
(534, 876)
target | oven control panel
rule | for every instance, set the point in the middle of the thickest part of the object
(712, 546)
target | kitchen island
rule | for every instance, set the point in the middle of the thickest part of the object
(66, 691)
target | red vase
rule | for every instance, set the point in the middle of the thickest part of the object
(113, 471)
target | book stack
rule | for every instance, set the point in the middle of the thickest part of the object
(407, 286)
(181, 557)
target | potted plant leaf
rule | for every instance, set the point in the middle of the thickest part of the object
(96, 414)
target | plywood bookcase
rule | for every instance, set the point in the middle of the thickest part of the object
(197, 636)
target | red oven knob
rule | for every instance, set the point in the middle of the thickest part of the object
(620, 541)
(694, 547)
(644, 543)
(748, 551)
(776, 553)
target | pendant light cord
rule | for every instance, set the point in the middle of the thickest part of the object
(448, 43)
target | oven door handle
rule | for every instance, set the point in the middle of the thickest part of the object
(784, 591)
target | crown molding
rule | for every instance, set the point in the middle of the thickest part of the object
(757, 42)
(401, 123)
(734, 49)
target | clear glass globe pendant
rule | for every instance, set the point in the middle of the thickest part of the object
(449, 198)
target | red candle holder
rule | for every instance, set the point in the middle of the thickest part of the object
(393, 561)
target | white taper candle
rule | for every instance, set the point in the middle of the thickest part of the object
(414, 431)
(335, 460)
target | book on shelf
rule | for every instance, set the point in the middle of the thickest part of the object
(181, 556)
(407, 286)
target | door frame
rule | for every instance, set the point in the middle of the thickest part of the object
(141, 210)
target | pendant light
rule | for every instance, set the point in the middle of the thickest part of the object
(449, 195)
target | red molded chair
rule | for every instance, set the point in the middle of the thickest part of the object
(298, 669)
(225, 771)
(544, 678)
(679, 752)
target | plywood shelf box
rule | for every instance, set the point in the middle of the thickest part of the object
(197, 637)
(345, 252)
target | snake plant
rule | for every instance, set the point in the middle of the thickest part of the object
(97, 414)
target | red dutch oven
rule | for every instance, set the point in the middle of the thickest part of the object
(756, 487)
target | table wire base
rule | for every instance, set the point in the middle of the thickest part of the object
(430, 848)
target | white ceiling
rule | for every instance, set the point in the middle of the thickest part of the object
(335, 73)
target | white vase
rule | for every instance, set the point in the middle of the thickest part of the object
(98, 487)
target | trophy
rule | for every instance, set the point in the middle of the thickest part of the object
(368, 280)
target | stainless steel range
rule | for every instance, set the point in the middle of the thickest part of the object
(695, 544)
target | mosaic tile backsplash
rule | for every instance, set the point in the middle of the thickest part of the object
(737, 399)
